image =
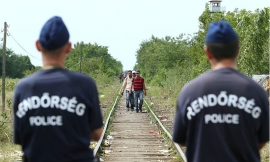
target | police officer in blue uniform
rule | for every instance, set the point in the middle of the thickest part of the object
(222, 115)
(56, 111)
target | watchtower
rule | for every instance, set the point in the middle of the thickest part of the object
(215, 6)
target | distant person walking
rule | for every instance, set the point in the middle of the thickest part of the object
(56, 111)
(129, 96)
(133, 74)
(139, 90)
(121, 77)
(222, 115)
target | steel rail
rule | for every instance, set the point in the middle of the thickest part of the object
(106, 124)
(168, 134)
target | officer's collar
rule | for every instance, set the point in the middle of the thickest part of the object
(51, 66)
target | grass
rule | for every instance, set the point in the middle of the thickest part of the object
(164, 102)
(265, 153)
(107, 96)
(8, 150)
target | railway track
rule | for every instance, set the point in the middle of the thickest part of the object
(136, 137)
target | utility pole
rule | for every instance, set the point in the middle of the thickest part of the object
(4, 68)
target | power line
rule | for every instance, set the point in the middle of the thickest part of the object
(21, 46)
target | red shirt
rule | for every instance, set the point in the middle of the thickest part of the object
(138, 83)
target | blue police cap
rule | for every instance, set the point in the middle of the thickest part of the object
(220, 32)
(54, 34)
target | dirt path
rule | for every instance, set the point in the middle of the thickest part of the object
(136, 139)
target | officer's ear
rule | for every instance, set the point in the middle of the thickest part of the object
(68, 48)
(38, 45)
(208, 54)
(238, 51)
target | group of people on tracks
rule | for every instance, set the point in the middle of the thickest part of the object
(222, 115)
(134, 86)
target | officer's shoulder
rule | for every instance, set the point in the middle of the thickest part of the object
(252, 84)
(196, 82)
(26, 81)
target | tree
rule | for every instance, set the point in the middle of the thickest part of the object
(94, 59)
(157, 57)
(15, 64)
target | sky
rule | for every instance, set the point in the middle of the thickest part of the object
(119, 24)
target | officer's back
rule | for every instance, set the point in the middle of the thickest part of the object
(222, 115)
(56, 110)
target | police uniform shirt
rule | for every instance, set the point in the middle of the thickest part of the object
(54, 112)
(222, 116)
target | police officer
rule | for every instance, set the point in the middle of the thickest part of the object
(222, 115)
(56, 111)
